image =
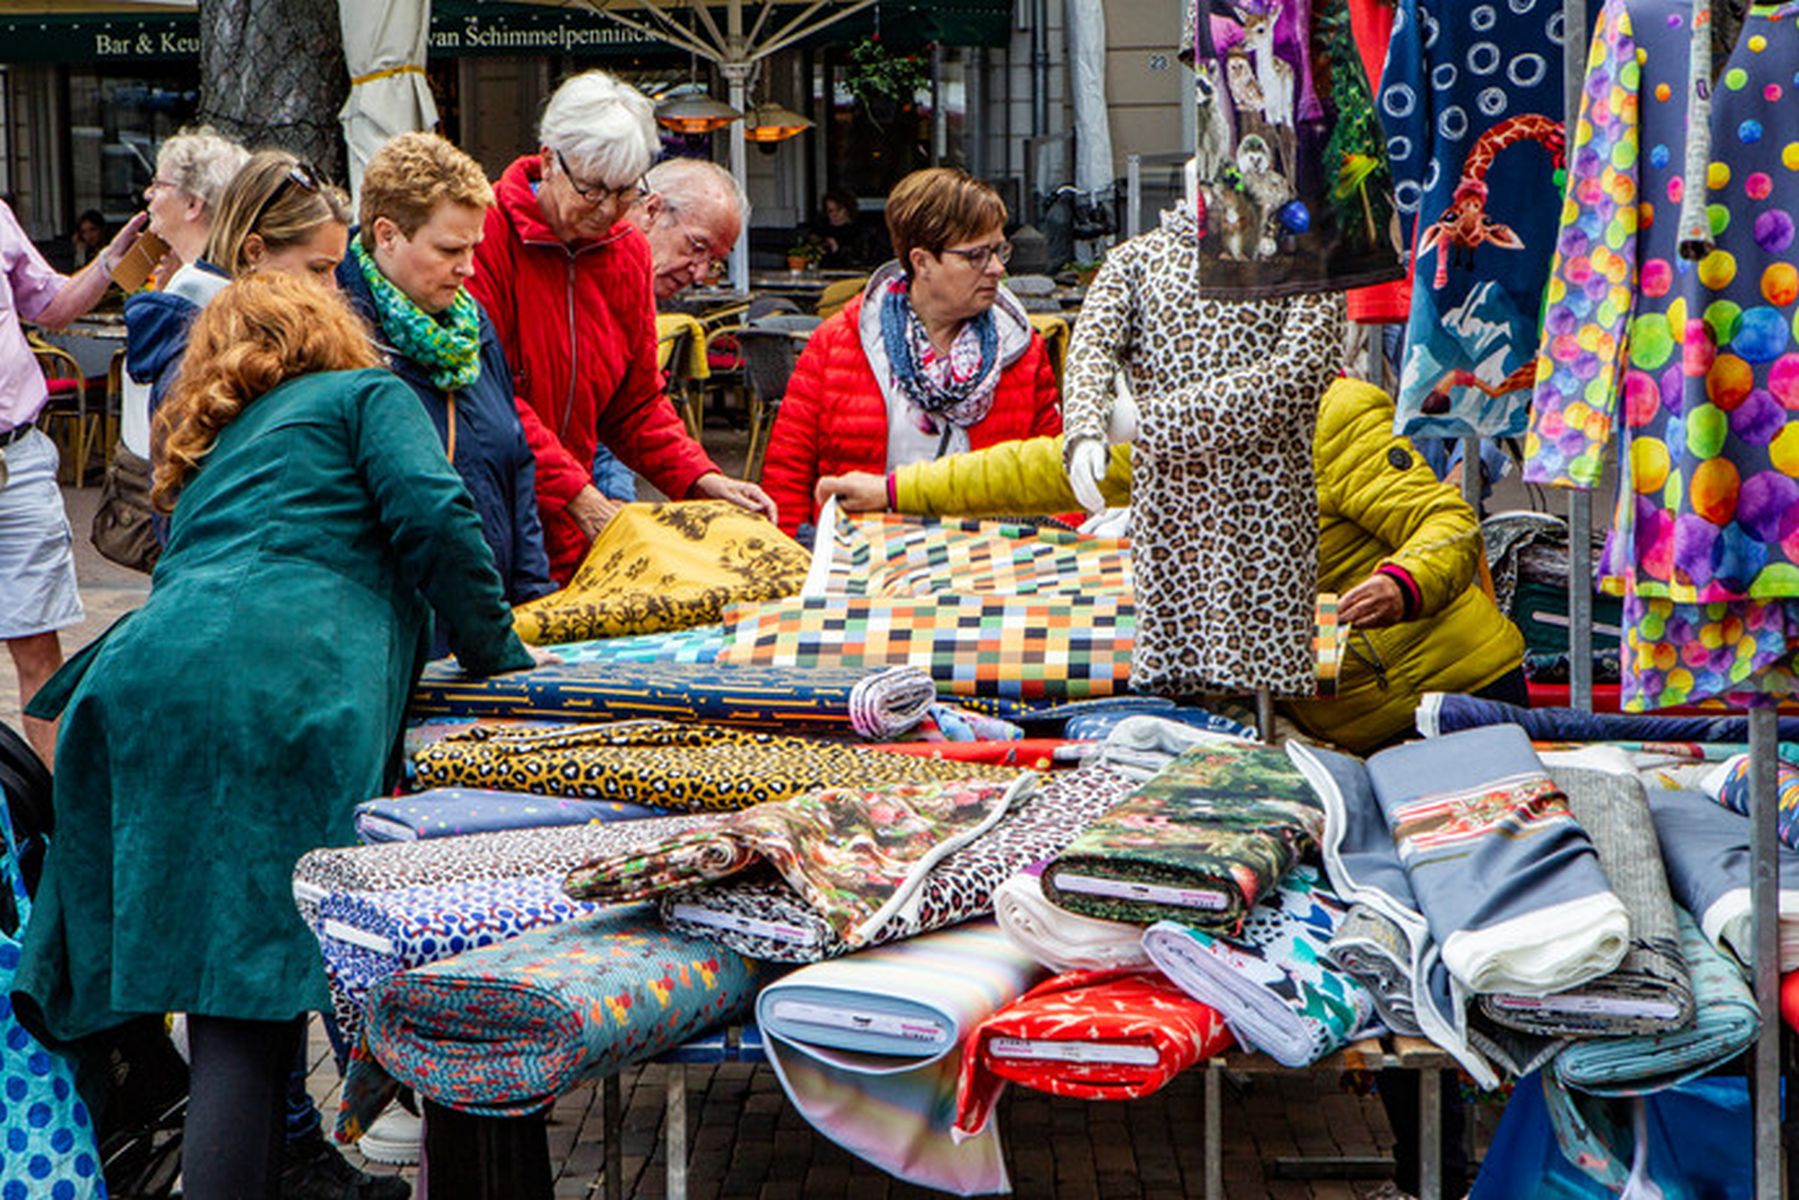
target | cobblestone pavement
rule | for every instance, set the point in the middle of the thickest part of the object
(747, 1143)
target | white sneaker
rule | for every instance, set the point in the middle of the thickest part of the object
(394, 1138)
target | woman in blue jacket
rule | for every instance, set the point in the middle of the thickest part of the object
(422, 208)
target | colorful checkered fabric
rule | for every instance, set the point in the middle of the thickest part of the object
(887, 554)
(1014, 647)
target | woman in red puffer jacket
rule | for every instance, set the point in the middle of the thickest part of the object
(934, 358)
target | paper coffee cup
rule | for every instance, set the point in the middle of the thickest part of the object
(135, 269)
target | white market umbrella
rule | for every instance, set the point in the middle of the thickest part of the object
(384, 48)
(1087, 69)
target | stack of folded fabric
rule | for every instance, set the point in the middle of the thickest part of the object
(1648, 992)
(1271, 982)
(769, 919)
(1142, 746)
(1013, 647)
(1091, 1035)
(868, 1049)
(670, 765)
(506, 1029)
(888, 554)
(1372, 949)
(857, 858)
(667, 566)
(452, 812)
(1724, 1024)
(1705, 849)
(1059, 939)
(1199, 843)
(873, 702)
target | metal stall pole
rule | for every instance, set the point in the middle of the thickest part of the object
(1580, 501)
(1471, 474)
(1133, 190)
(1764, 808)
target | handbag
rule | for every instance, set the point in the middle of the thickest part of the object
(123, 524)
(45, 1127)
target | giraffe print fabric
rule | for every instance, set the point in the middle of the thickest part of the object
(1294, 193)
(1472, 103)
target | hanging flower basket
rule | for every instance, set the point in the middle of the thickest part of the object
(884, 83)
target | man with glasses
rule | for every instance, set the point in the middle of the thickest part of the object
(692, 215)
(567, 282)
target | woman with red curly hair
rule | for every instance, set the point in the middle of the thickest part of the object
(316, 523)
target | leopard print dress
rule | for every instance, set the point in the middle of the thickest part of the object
(1224, 513)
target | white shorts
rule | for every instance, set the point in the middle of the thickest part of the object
(37, 558)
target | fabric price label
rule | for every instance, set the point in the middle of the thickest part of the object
(712, 918)
(910, 1029)
(1121, 1054)
(1150, 893)
(1611, 1006)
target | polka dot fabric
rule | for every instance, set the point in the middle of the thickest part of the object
(1694, 366)
(46, 1136)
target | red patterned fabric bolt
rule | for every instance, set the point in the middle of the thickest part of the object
(1091, 1035)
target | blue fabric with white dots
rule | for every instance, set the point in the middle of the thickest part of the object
(47, 1149)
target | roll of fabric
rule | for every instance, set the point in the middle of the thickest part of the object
(1705, 849)
(1059, 939)
(452, 812)
(1099, 726)
(1142, 746)
(1725, 1023)
(515, 854)
(1441, 713)
(769, 919)
(875, 702)
(1370, 948)
(868, 1049)
(1012, 647)
(1649, 991)
(856, 857)
(674, 766)
(1200, 843)
(1364, 866)
(1091, 1035)
(667, 566)
(1732, 791)
(1509, 881)
(700, 644)
(894, 554)
(1271, 982)
(506, 1029)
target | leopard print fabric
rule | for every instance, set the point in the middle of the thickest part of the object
(1224, 513)
(680, 767)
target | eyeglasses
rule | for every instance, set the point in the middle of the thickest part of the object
(596, 196)
(299, 175)
(698, 245)
(158, 184)
(978, 256)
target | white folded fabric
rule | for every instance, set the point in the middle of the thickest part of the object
(1059, 939)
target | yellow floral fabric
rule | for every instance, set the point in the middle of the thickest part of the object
(657, 567)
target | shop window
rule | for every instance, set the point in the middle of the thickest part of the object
(117, 121)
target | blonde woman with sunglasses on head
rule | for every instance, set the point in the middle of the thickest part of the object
(567, 282)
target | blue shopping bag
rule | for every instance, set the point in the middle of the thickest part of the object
(47, 1147)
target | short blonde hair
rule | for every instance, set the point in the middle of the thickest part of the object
(937, 207)
(201, 162)
(266, 199)
(411, 176)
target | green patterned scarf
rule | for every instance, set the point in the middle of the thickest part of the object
(447, 345)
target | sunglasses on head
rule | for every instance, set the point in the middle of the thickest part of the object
(299, 175)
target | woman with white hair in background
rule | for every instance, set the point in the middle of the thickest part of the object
(567, 282)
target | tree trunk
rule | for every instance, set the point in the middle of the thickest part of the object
(272, 74)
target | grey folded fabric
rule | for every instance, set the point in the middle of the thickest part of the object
(1371, 948)
(1650, 991)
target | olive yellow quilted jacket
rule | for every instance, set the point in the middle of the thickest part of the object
(1378, 503)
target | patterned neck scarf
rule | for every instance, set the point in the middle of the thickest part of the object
(446, 345)
(957, 387)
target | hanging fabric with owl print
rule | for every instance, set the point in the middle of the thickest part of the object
(1473, 107)
(1294, 192)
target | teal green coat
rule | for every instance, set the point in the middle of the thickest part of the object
(234, 721)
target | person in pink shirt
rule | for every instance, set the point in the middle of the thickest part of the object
(37, 567)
